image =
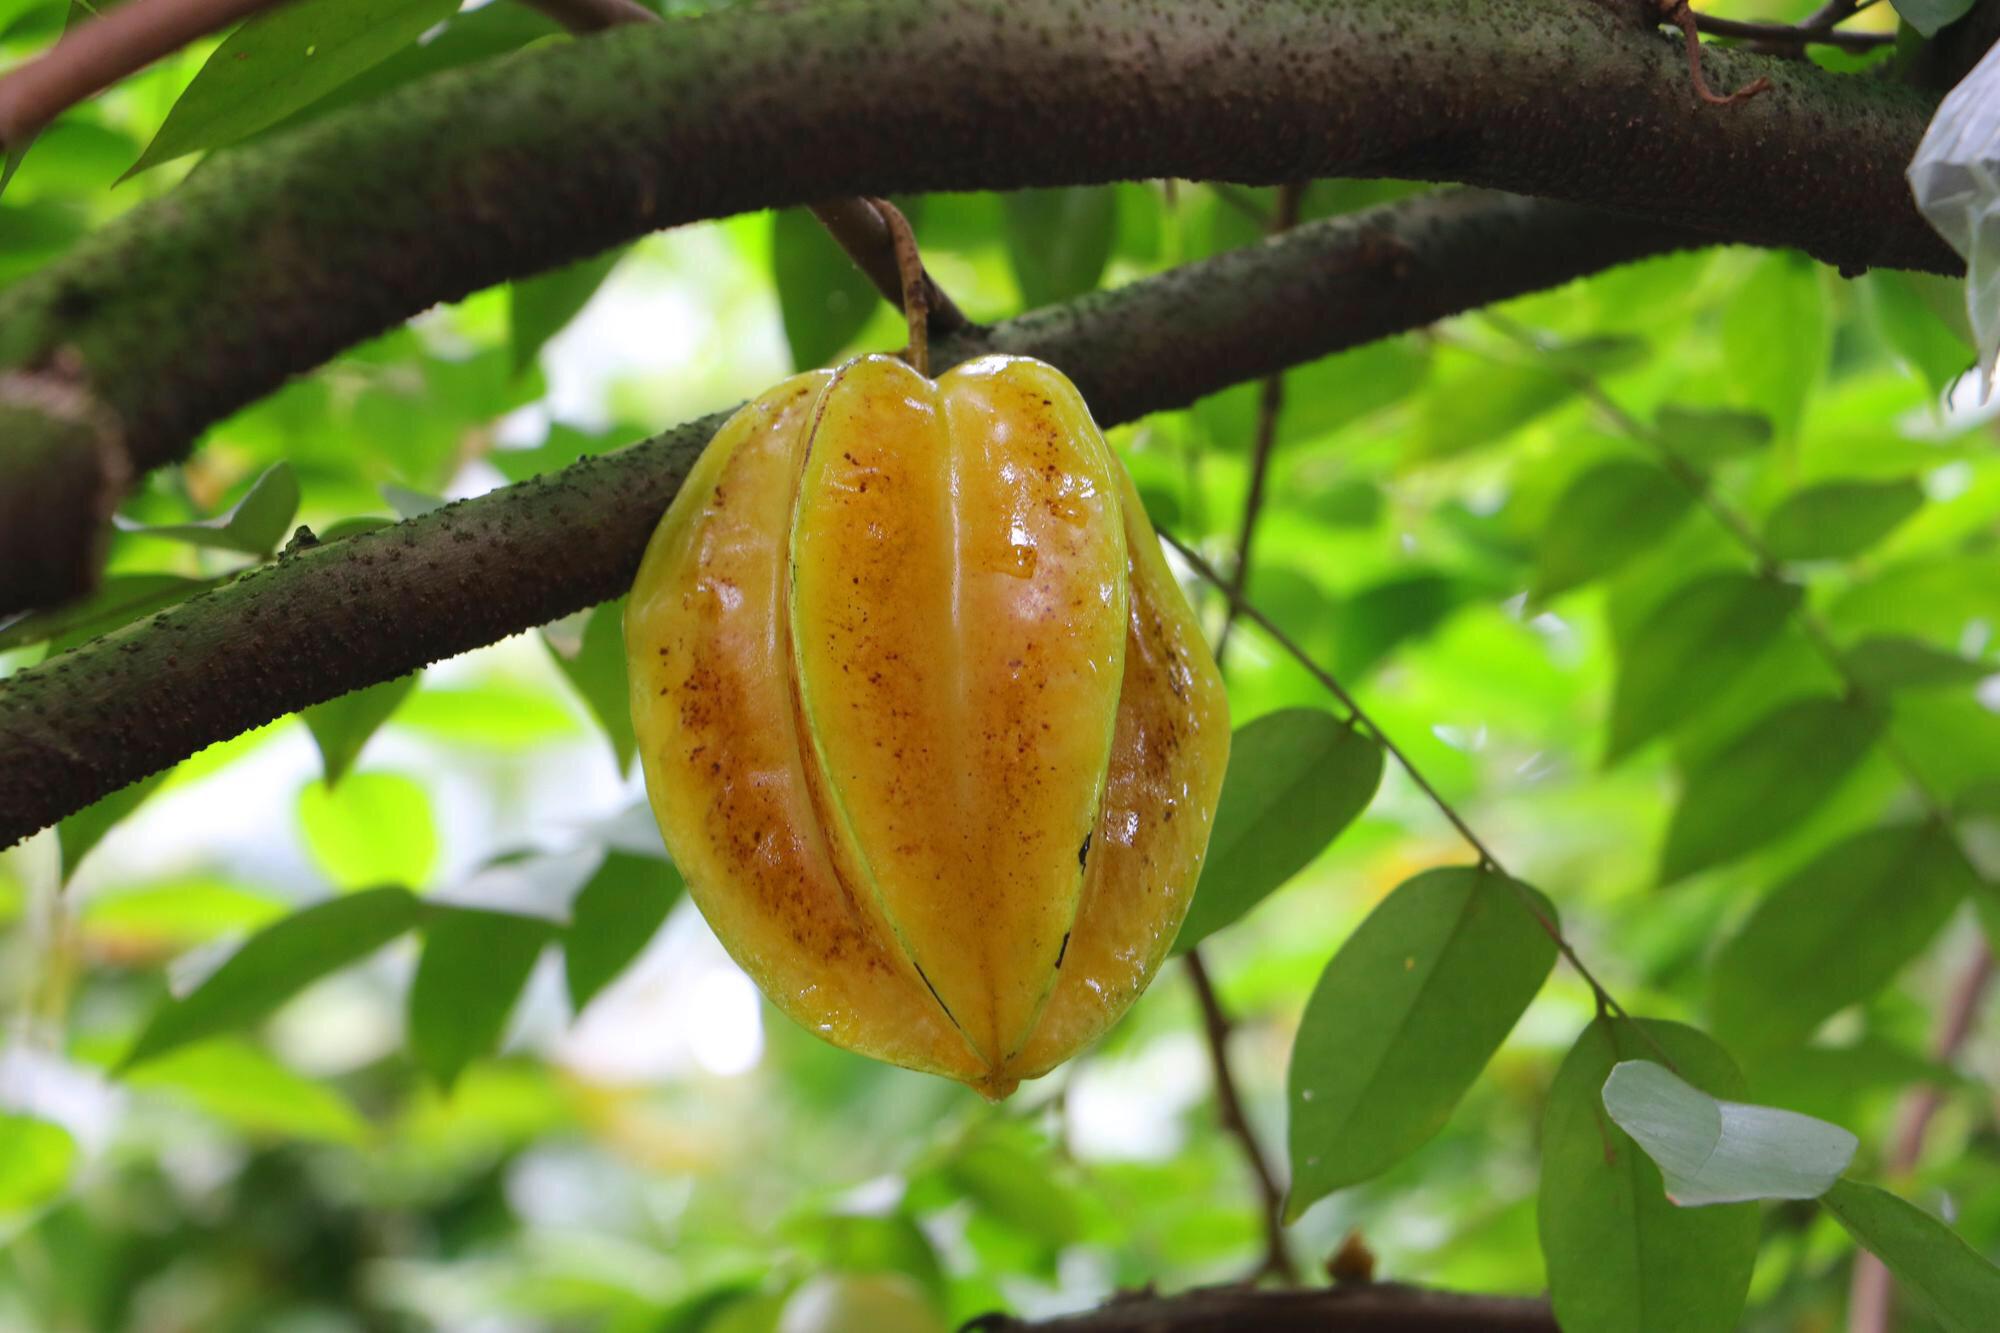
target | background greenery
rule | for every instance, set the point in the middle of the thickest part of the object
(532, 1110)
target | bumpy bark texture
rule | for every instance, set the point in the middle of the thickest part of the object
(326, 620)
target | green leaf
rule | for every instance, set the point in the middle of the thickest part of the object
(822, 297)
(36, 1158)
(175, 914)
(1928, 16)
(597, 671)
(1764, 783)
(80, 832)
(119, 600)
(253, 525)
(1404, 1018)
(1605, 354)
(1836, 932)
(341, 727)
(237, 1082)
(613, 919)
(539, 307)
(1606, 517)
(1377, 620)
(1060, 240)
(1483, 405)
(275, 964)
(1905, 319)
(1838, 519)
(474, 965)
(1621, 1258)
(1888, 662)
(1711, 1151)
(1693, 645)
(375, 828)
(1951, 1280)
(1775, 339)
(1711, 435)
(1296, 779)
(281, 60)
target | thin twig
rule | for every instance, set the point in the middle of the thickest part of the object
(1871, 1293)
(914, 283)
(1679, 12)
(1216, 1026)
(1815, 31)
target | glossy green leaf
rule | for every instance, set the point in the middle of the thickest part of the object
(596, 668)
(1836, 932)
(822, 297)
(1296, 779)
(374, 828)
(1711, 435)
(281, 60)
(254, 525)
(474, 964)
(614, 918)
(1621, 1257)
(341, 727)
(1404, 1018)
(36, 1159)
(1928, 16)
(119, 600)
(1952, 1282)
(1888, 662)
(1839, 519)
(275, 964)
(1712, 1151)
(1766, 782)
(1693, 646)
(538, 308)
(237, 1082)
(1060, 240)
(1607, 516)
(1776, 338)
(80, 832)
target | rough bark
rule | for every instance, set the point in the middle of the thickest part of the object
(330, 619)
(274, 257)
(1378, 1308)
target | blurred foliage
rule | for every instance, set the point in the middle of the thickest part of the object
(481, 1066)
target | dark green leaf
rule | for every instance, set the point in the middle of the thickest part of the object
(341, 727)
(1404, 1018)
(80, 832)
(1928, 16)
(1775, 339)
(1764, 783)
(281, 60)
(1377, 620)
(474, 965)
(1951, 1280)
(1836, 932)
(119, 600)
(1693, 645)
(1296, 779)
(254, 525)
(539, 307)
(277, 963)
(1621, 1258)
(1710, 435)
(1839, 519)
(597, 670)
(822, 296)
(1888, 662)
(1610, 514)
(1484, 405)
(614, 918)
(1712, 1151)
(1606, 355)
(1059, 240)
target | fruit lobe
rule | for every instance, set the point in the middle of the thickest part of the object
(927, 726)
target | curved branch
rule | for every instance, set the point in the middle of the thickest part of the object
(1385, 1307)
(316, 240)
(329, 619)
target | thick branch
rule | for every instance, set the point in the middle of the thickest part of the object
(278, 255)
(334, 618)
(1386, 1307)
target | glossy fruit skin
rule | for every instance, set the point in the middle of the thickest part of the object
(928, 727)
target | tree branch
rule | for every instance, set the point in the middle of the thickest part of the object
(315, 240)
(1384, 1307)
(334, 618)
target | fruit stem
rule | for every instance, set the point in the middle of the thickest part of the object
(916, 290)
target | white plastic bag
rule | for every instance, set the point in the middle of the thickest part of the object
(1956, 178)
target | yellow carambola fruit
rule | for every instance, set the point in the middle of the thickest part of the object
(930, 732)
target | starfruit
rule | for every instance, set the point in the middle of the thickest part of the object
(928, 727)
